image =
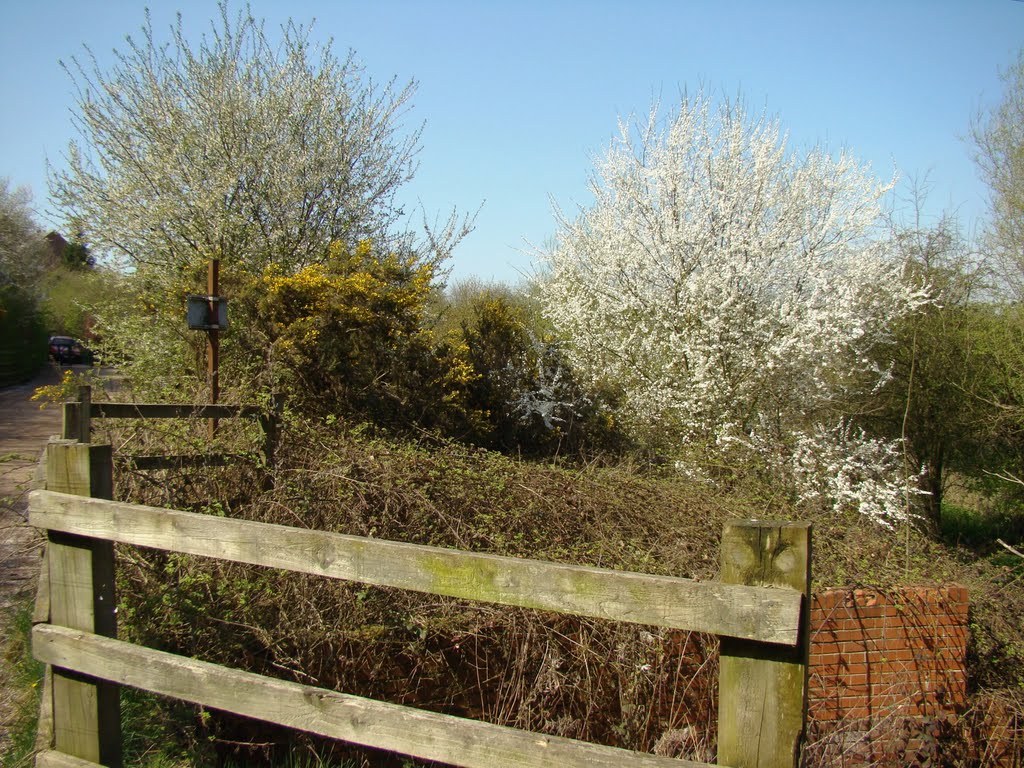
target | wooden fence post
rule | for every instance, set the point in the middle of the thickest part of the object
(270, 423)
(86, 712)
(78, 417)
(69, 424)
(762, 687)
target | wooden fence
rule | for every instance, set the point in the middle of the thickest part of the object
(79, 415)
(759, 609)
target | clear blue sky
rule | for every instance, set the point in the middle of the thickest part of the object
(518, 97)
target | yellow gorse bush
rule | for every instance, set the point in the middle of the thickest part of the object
(350, 333)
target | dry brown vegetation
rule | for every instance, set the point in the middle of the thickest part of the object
(636, 687)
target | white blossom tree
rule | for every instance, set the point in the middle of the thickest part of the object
(999, 153)
(257, 151)
(732, 287)
(22, 247)
(252, 150)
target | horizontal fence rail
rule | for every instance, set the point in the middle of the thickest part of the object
(78, 416)
(758, 609)
(370, 723)
(732, 610)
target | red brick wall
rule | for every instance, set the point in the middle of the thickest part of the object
(886, 667)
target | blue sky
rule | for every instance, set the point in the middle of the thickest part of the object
(518, 97)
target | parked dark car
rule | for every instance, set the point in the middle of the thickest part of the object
(67, 350)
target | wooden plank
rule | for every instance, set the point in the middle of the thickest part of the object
(270, 424)
(67, 467)
(44, 725)
(69, 421)
(424, 735)
(52, 759)
(762, 689)
(41, 606)
(84, 415)
(38, 481)
(770, 615)
(86, 714)
(177, 462)
(171, 411)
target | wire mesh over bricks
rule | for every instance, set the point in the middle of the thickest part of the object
(885, 666)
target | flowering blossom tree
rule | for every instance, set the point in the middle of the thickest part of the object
(254, 151)
(731, 287)
(262, 152)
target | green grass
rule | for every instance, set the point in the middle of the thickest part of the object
(962, 526)
(23, 684)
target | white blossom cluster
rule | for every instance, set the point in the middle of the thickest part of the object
(847, 468)
(731, 286)
(238, 146)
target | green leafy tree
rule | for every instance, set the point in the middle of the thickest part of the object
(999, 153)
(523, 395)
(22, 265)
(937, 400)
(998, 137)
(77, 255)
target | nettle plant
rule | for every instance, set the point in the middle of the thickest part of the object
(735, 290)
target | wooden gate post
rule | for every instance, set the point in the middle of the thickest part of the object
(270, 424)
(762, 687)
(86, 712)
(78, 417)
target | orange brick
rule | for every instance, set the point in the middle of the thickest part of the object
(856, 710)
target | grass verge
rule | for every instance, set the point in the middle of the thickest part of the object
(20, 685)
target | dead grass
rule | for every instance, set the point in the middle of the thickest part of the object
(635, 687)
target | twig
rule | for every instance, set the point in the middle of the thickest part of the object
(1006, 546)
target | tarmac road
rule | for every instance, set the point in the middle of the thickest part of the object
(24, 430)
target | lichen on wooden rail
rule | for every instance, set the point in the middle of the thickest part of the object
(754, 613)
(426, 735)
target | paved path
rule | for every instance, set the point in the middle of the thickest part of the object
(24, 430)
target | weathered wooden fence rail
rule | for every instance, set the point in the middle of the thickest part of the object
(759, 609)
(79, 415)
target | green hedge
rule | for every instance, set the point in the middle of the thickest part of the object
(22, 337)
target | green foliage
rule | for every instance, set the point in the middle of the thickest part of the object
(22, 676)
(77, 256)
(523, 392)
(978, 529)
(72, 296)
(22, 335)
(941, 370)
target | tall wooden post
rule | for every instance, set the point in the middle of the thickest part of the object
(78, 417)
(762, 687)
(213, 339)
(86, 712)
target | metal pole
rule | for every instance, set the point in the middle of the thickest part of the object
(213, 339)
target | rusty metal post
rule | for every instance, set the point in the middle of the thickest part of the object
(213, 339)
